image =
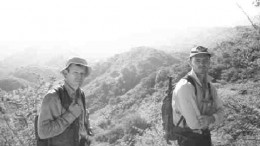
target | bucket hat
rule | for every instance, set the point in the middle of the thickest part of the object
(199, 50)
(77, 60)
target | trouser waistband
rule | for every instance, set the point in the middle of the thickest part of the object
(201, 131)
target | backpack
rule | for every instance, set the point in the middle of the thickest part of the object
(171, 131)
(44, 142)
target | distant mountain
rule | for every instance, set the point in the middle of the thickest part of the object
(3, 72)
(177, 41)
(134, 83)
(35, 73)
(34, 56)
(12, 83)
(27, 76)
(123, 72)
(125, 92)
(33, 63)
(184, 40)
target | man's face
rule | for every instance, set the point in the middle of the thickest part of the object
(200, 63)
(75, 75)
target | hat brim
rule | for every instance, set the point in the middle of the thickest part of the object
(88, 69)
(194, 54)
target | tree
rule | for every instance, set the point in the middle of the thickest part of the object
(256, 3)
(256, 27)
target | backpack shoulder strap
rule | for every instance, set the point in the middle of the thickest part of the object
(83, 99)
(191, 80)
(87, 122)
(210, 95)
(36, 126)
(181, 119)
(60, 91)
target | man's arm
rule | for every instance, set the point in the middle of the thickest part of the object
(87, 124)
(51, 122)
(219, 114)
(185, 99)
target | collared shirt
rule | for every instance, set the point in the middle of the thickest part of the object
(75, 95)
(54, 119)
(186, 103)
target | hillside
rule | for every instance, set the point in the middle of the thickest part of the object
(125, 92)
(28, 76)
(45, 55)
(183, 40)
(179, 41)
(235, 60)
(123, 72)
(35, 73)
(12, 83)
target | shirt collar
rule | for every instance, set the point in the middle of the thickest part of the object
(193, 74)
(71, 91)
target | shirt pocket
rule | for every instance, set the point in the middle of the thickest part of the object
(210, 108)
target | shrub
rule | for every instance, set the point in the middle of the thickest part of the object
(10, 84)
(134, 124)
(17, 127)
(111, 136)
(105, 124)
(242, 114)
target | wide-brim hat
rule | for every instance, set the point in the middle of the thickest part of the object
(79, 61)
(199, 50)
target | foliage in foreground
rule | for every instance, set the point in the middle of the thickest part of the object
(17, 113)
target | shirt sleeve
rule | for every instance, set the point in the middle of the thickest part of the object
(188, 108)
(51, 122)
(219, 113)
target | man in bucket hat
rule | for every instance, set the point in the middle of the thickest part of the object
(197, 103)
(63, 119)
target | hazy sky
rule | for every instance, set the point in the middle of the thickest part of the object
(105, 27)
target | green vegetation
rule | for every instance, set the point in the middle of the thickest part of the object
(17, 112)
(124, 95)
(12, 83)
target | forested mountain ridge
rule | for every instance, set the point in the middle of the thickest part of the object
(235, 61)
(123, 72)
(210, 37)
(124, 95)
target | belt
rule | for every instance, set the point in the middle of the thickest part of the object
(200, 131)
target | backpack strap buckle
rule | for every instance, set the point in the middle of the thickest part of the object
(198, 131)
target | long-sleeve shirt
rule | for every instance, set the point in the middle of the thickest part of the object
(186, 103)
(54, 119)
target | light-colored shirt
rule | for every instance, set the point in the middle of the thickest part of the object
(186, 103)
(54, 119)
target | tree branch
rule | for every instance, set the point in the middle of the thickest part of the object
(252, 23)
(13, 131)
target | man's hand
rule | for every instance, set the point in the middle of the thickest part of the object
(75, 109)
(205, 121)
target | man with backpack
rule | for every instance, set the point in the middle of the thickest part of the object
(195, 104)
(63, 119)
